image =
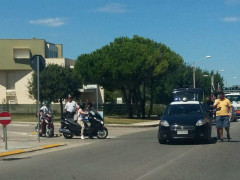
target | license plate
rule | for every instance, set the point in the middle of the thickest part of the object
(182, 132)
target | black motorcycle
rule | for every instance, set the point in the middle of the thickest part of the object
(71, 128)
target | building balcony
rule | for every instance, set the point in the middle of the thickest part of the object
(11, 92)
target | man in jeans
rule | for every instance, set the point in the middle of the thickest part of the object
(223, 107)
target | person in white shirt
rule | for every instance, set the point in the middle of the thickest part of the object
(81, 115)
(70, 108)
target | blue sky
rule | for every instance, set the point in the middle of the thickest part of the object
(192, 28)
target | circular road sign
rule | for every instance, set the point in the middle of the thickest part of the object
(5, 118)
(33, 62)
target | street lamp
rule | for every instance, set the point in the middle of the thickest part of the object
(212, 81)
(194, 70)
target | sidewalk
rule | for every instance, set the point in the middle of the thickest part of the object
(22, 137)
(154, 123)
(136, 125)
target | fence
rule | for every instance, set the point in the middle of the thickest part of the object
(109, 109)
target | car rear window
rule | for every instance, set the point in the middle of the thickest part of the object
(184, 109)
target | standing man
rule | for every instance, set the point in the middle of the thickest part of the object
(223, 107)
(70, 108)
(214, 97)
(208, 105)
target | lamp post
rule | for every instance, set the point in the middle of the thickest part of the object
(194, 71)
(235, 77)
(212, 81)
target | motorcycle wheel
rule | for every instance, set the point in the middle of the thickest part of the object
(67, 136)
(48, 132)
(102, 134)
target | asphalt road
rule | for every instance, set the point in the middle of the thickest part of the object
(132, 156)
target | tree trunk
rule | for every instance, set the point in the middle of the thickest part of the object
(139, 103)
(128, 102)
(61, 106)
(151, 100)
(144, 101)
(137, 100)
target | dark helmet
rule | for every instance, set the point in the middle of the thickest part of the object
(82, 106)
(47, 102)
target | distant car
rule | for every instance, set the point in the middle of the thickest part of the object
(235, 100)
(234, 115)
(185, 120)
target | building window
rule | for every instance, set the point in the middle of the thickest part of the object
(19, 53)
(11, 80)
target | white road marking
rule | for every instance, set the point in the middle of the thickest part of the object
(5, 118)
(167, 163)
(21, 133)
(20, 125)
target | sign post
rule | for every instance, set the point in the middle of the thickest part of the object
(5, 136)
(38, 99)
(5, 119)
(37, 63)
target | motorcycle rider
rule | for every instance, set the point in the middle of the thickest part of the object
(44, 110)
(80, 120)
(70, 108)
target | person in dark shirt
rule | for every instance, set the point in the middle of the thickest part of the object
(208, 105)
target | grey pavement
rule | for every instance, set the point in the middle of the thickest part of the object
(23, 136)
(134, 155)
(137, 125)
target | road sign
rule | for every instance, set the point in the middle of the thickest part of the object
(34, 61)
(5, 118)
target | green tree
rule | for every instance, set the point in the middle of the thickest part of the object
(56, 83)
(128, 65)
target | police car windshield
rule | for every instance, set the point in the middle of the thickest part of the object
(184, 109)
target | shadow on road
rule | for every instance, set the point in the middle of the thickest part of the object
(14, 159)
(232, 141)
(191, 142)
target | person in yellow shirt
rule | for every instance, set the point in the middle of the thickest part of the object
(223, 114)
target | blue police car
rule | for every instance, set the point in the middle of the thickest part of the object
(185, 120)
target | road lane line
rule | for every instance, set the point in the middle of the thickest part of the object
(167, 163)
(20, 125)
(20, 133)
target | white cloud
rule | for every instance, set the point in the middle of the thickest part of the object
(52, 22)
(112, 8)
(232, 1)
(231, 19)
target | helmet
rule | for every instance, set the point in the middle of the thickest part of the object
(47, 102)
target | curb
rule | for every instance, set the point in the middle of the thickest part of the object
(132, 126)
(19, 151)
(113, 125)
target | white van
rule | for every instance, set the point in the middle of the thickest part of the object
(235, 100)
